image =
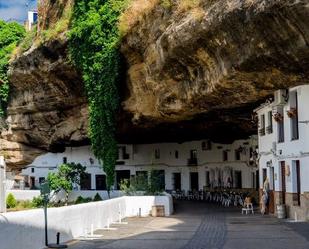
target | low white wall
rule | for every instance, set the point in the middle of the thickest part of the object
(29, 194)
(25, 229)
(143, 204)
(23, 195)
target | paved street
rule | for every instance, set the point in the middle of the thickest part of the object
(202, 226)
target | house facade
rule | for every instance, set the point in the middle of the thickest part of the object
(181, 166)
(283, 137)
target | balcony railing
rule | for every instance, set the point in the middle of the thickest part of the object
(192, 162)
(262, 131)
(269, 129)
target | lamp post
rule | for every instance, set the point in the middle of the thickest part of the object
(45, 192)
(2, 185)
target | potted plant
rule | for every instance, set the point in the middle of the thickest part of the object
(292, 112)
(278, 117)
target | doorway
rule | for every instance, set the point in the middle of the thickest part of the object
(100, 182)
(283, 183)
(32, 182)
(176, 181)
(194, 181)
(85, 182)
(272, 190)
(238, 179)
(120, 176)
(297, 170)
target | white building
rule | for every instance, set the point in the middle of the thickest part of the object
(284, 149)
(32, 19)
(185, 166)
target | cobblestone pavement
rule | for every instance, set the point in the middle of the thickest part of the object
(198, 225)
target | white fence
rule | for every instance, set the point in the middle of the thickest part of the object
(25, 229)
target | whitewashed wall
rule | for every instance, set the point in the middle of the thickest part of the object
(142, 159)
(71, 221)
(290, 150)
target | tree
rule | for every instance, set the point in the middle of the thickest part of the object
(67, 175)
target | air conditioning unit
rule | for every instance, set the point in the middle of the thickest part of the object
(281, 97)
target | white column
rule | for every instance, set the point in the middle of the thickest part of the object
(2, 185)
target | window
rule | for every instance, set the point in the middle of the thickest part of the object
(85, 183)
(157, 153)
(64, 160)
(237, 154)
(206, 145)
(122, 153)
(193, 154)
(269, 128)
(280, 127)
(176, 154)
(225, 155)
(32, 170)
(262, 125)
(192, 161)
(100, 182)
(293, 115)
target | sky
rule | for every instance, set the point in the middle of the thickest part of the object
(16, 9)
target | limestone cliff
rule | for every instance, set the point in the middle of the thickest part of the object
(190, 74)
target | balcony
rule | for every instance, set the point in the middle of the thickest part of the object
(192, 162)
(269, 129)
(262, 132)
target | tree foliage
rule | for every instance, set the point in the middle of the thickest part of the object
(10, 35)
(66, 176)
(94, 48)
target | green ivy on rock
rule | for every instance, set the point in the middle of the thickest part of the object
(94, 48)
(10, 34)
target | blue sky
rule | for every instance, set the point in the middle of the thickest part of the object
(15, 9)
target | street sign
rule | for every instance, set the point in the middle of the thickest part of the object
(45, 189)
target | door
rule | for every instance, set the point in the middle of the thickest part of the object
(272, 190)
(238, 179)
(32, 182)
(177, 181)
(194, 181)
(120, 176)
(100, 182)
(283, 184)
(297, 165)
(85, 183)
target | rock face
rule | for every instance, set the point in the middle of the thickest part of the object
(230, 54)
(48, 108)
(191, 74)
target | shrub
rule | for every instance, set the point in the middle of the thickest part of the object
(11, 201)
(97, 197)
(79, 200)
(37, 202)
